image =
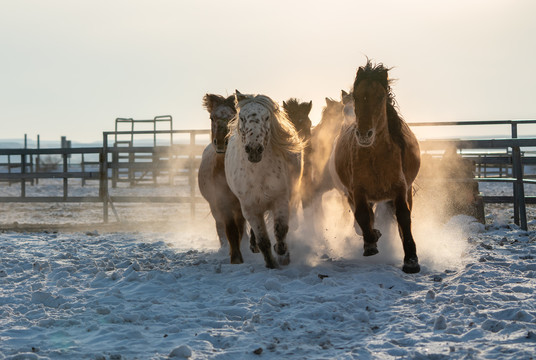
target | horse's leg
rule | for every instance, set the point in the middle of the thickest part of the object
(281, 216)
(258, 227)
(220, 230)
(365, 218)
(234, 230)
(253, 242)
(403, 217)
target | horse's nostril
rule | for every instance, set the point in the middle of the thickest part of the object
(226, 141)
(370, 133)
(248, 149)
(260, 149)
(215, 142)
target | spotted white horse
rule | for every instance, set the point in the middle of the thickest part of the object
(263, 169)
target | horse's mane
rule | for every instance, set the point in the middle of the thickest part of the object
(283, 134)
(293, 102)
(379, 73)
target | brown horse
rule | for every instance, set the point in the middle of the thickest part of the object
(377, 159)
(298, 113)
(224, 205)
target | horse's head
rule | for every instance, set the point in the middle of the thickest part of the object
(332, 112)
(221, 111)
(298, 114)
(370, 94)
(254, 118)
(348, 110)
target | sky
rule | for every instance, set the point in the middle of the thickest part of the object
(71, 67)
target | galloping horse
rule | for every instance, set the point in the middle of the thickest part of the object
(263, 169)
(224, 205)
(377, 159)
(298, 113)
(322, 137)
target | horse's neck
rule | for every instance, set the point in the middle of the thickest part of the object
(218, 164)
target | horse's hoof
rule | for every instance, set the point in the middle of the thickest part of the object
(370, 251)
(237, 260)
(281, 248)
(411, 266)
(283, 260)
(272, 264)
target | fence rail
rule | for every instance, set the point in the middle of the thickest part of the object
(142, 163)
(175, 159)
(513, 156)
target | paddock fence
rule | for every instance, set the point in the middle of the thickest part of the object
(495, 160)
(119, 163)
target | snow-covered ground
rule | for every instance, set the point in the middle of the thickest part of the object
(173, 294)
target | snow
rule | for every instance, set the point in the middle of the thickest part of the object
(173, 294)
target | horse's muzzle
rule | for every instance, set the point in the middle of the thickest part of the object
(220, 145)
(366, 139)
(254, 152)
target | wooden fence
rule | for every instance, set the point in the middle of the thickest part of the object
(136, 164)
(484, 153)
(162, 159)
(30, 173)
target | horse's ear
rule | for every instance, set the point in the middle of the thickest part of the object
(285, 105)
(209, 101)
(239, 96)
(360, 72)
(230, 101)
(343, 94)
(309, 106)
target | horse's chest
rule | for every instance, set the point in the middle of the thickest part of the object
(258, 182)
(379, 177)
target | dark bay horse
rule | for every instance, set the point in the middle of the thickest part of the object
(298, 113)
(224, 205)
(376, 159)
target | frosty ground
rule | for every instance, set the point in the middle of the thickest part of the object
(173, 294)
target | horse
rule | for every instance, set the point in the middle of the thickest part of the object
(376, 159)
(348, 107)
(322, 138)
(298, 113)
(263, 169)
(224, 205)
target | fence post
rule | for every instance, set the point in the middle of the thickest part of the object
(83, 168)
(38, 159)
(520, 210)
(23, 171)
(103, 181)
(65, 180)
